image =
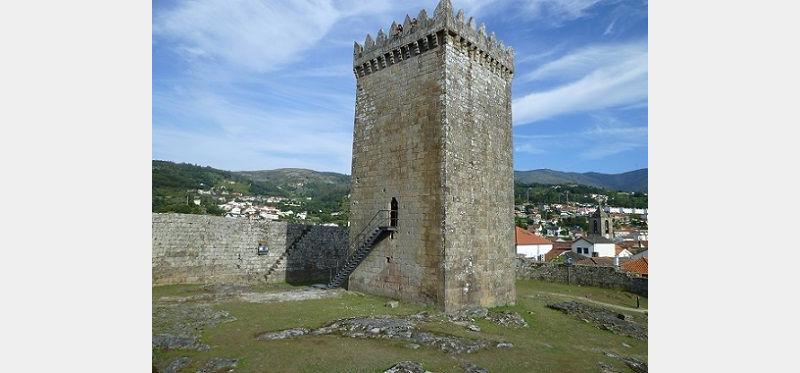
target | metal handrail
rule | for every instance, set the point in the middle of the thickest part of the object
(367, 227)
(359, 237)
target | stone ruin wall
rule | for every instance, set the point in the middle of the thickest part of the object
(200, 249)
(604, 277)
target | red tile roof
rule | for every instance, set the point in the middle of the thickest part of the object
(562, 245)
(527, 238)
(554, 253)
(636, 266)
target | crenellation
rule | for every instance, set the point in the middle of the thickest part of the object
(422, 34)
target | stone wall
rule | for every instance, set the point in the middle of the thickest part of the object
(212, 249)
(479, 180)
(397, 154)
(315, 255)
(605, 277)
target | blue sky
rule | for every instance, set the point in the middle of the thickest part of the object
(251, 85)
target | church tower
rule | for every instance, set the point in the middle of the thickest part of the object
(601, 224)
(432, 164)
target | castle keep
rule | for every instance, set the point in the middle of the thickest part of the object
(432, 173)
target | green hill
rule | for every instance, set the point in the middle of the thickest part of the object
(175, 187)
(633, 181)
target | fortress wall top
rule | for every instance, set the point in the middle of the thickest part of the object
(422, 34)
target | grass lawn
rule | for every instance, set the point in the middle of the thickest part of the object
(554, 342)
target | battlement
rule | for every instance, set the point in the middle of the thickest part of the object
(419, 35)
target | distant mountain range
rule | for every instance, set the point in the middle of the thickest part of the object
(309, 182)
(633, 181)
(282, 176)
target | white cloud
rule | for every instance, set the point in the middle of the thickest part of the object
(257, 35)
(529, 148)
(557, 11)
(598, 77)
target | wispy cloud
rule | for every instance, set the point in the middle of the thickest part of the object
(610, 28)
(257, 35)
(597, 77)
(249, 135)
(606, 136)
(559, 11)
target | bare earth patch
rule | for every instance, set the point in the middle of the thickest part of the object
(291, 296)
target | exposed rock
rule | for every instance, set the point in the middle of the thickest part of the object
(469, 314)
(473, 327)
(393, 304)
(508, 319)
(283, 334)
(607, 368)
(505, 345)
(217, 364)
(635, 365)
(187, 319)
(391, 327)
(178, 342)
(413, 346)
(448, 343)
(177, 364)
(472, 368)
(602, 318)
(406, 367)
(177, 326)
(626, 345)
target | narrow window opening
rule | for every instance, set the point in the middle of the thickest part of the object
(393, 213)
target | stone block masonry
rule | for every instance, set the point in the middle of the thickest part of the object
(604, 277)
(433, 131)
(200, 249)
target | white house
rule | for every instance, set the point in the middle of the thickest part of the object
(268, 216)
(594, 245)
(531, 245)
(622, 252)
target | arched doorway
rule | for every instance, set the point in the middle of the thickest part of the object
(393, 213)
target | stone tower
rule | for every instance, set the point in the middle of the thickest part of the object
(601, 224)
(432, 143)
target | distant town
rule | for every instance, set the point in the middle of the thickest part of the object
(584, 233)
(554, 223)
